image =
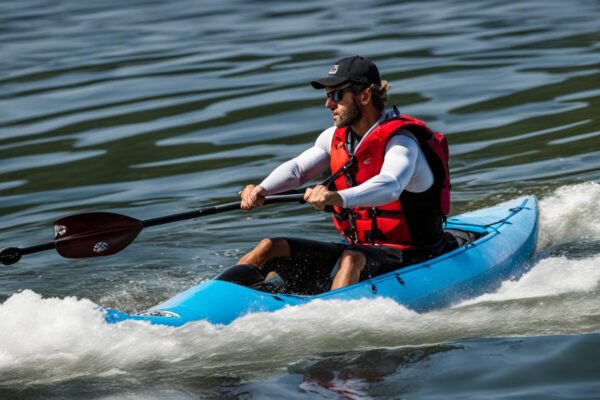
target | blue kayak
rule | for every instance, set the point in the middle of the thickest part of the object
(504, 238)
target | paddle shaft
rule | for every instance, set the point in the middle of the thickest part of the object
(284, 198)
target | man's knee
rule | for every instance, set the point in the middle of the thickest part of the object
(266, 250)
(272, 245)
(353, 259)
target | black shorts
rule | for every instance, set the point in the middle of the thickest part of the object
(309, 268)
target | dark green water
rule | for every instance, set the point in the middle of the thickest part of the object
(148, 108)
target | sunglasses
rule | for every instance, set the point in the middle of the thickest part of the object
(337, 95)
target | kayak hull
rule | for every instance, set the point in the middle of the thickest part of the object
(509, 234)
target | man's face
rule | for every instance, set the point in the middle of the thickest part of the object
(344, 107)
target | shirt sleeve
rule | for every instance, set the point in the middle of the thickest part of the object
(399, 164)
(301, 169)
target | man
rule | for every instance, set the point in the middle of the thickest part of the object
(390, 194)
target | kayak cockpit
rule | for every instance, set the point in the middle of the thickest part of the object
(248, 276)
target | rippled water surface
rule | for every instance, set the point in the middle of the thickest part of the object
(149, 108)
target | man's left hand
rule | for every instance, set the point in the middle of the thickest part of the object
(319, 197)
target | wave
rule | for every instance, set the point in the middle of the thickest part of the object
(569, 214)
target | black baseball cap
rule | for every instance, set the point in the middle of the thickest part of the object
(355, 69)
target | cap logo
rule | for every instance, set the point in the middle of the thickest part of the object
(334, 69)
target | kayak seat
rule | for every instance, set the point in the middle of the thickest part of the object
(463, 237)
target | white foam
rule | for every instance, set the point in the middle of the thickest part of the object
(570, 213)
(45, 340)
(56, 338)
(52, 339)
(549, 277)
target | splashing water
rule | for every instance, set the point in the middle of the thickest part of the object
(571, 213)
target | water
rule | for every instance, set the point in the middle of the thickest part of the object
(151, 108)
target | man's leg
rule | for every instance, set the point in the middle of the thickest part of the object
(352, 264)
(304, 265)
(250, 268)
(366, 261)
(308, 268)
(267, 249)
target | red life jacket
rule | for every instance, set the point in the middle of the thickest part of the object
(415, 219)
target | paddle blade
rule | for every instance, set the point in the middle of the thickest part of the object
(94, 234)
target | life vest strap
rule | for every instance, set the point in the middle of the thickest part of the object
(374, 234)
(346, 170)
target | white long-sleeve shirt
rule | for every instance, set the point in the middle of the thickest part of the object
(404, 168)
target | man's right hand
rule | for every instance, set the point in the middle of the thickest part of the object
(252, 196)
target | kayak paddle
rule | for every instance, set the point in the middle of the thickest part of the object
(104, 233)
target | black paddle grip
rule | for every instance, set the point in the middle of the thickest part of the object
(10, 255)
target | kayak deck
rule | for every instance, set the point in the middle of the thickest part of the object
(507, 234)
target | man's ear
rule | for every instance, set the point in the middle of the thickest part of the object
(365, 96)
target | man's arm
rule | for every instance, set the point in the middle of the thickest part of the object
(404, 167)
(291, 174)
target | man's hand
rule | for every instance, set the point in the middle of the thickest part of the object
(252, 197)
(319, 197)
